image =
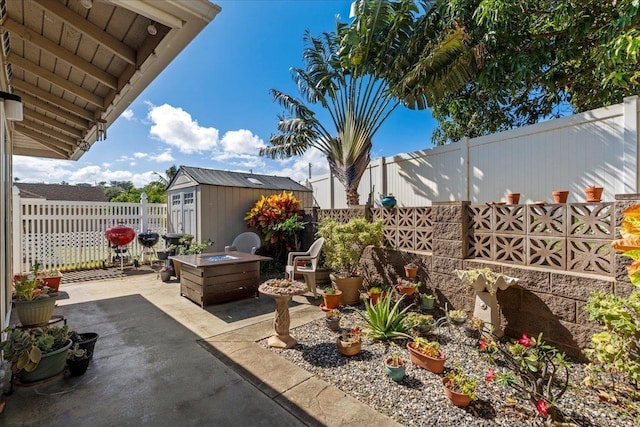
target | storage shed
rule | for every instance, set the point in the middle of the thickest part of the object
(211, 204)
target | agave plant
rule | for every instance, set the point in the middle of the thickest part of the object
(385, 322)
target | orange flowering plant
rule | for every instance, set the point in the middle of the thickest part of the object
(277, 218)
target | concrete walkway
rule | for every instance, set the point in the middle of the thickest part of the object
(162, 360)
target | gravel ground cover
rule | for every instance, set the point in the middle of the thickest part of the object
(418, 400)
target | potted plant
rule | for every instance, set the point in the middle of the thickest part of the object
(343, 248)
(395, 366)
(593, 194)
(85, 341)
(457, 317)
(349, 343)
(411, 270)
(33, 301)
(331, 297)
(420, 324)
(474, 328)
(165, 273)
(374, 293)
(427, 301)
(38, 353)
(78, 361)
(407, 287)
(459, 388)
(427, 354)
(51, 278)
(333, 319)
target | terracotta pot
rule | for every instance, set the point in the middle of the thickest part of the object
(431, 364)
(560, 196)
(52, 281)
(373, 298)
(407, 290)
(513, 198)
(332, 301)
(456, 398)
(333, 324)
(593, 194)
(347, 348)
(350, 287)
(411, 272)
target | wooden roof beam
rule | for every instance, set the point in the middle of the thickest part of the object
(40, 139)
(25, 64)
(61, 53)
(94, 32)
(33, 102)
(49, 97)
(38, 152)
(30, 114)
(150, 11)
(51, 133)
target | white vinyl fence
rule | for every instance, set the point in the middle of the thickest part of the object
(61, 234)
(598, 147)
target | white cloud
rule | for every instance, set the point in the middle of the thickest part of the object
(128, 114)
(139, 155)
(175, 127)
(242, 141)
(165, 156)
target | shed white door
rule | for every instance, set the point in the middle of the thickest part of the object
(183, 212)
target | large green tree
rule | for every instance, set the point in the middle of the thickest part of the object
(392, 53)
(540, 59)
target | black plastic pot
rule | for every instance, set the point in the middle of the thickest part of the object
(87, 341)
(79, 367)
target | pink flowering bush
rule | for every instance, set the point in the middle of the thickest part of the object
(532, 367)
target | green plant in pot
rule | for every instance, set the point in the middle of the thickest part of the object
(33, 301)
(78, 360)
(427, 301)
(331, 298)
(460, 388)
(343, 248)
(395, 366)
(38, 353)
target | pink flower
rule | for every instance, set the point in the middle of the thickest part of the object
(483, 345)
(525, 340)
(541, 406)
(490, 375)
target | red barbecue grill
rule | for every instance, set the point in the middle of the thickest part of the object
(119, 237)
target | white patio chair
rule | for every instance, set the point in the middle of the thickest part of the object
(308, 271)
(247, 242)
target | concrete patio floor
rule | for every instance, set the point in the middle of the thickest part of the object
(162, 360)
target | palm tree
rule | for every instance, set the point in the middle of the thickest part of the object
(391, 54)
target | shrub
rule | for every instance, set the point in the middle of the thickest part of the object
(617, 349)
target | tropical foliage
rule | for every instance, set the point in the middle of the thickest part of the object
(617, 348)
(359, 74)
(276, 218)
(539, 59)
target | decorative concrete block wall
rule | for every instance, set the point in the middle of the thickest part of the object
(559, 253)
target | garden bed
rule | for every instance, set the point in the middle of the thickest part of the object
(418, 398)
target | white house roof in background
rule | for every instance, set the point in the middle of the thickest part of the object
(239, 179)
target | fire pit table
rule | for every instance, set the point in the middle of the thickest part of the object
(282, 290)
(220, 276)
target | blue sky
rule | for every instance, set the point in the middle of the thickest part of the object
(211, 107)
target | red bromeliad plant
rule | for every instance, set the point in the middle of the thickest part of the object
(276, 218)
(532, 367)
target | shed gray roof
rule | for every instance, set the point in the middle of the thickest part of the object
(242, 179)
(76, 193)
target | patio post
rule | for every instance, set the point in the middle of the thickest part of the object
(144, 212)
